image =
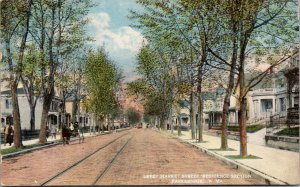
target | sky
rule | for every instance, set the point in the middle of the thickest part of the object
(110, 27)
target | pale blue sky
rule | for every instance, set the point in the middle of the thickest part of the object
(109, 25)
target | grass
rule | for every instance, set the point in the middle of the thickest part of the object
(240, 157)
(228, 149)
(250, 128)
(14, 150)
(289, 132)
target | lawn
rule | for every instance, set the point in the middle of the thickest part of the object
(14, 150)
(289, 132)
(250, 128)
(240, 157)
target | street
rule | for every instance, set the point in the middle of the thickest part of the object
(136, 156)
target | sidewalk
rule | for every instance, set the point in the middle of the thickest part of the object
(50, 139)
(280, 165)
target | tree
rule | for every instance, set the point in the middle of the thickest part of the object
(222, 36)
(101, 80)
(133, 116)
(15, 17)
(245, 31)
(177, 23)
(58, 31)
(31, 79)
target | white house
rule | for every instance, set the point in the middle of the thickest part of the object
(6, 108)
(273, 96)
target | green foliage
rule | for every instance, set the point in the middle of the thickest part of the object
(156, 86)
(147, 118)
(101, 80)
(133, 116)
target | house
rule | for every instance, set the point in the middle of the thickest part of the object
(6, 109)
(213, 107)
(275, 94)
(82, 117)
(184, 114)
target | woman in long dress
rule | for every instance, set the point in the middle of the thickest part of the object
(9, 133)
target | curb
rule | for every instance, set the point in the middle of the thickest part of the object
(28, 150)
(54, 143)
(269, 180)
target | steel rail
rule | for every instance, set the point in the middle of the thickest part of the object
(111, 162)
(79, 161)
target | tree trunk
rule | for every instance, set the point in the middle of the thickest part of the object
(242, 99)
(200, 117)
(242, 125)
(74, 109)
(200, 101)
(102, 126)
(48, 92)
(161, 123)
(32, 117)
(16, 116)
(226, 105)
(179, 126)
(192, 115)
(108, 123)
(46, 107)
(224, 143)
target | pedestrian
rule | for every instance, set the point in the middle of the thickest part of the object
(80, 131)
(53, 131)
(9, 135)
(4, 132)
(65, 134)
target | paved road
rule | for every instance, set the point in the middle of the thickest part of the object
(137, 156)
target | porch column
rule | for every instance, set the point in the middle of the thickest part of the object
(274, 106)
(213, 119)
(57, 119)
(236, 117)
(259, 108)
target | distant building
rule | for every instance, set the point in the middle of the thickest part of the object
(82, 117)
(213, 107)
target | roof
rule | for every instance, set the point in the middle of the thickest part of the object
(184, 103)
(72, 98)
(20, 91)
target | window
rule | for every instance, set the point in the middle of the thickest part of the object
(267, 105)
(8, 103)
(52, 119)
(296, 101)
(282, 104)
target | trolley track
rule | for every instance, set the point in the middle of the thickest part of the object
(53, 178)
(111, 162)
